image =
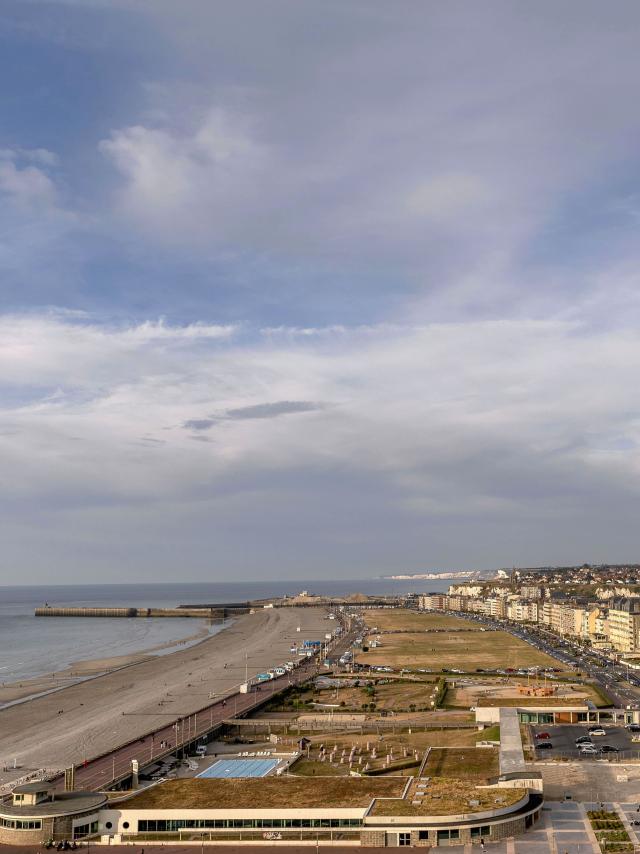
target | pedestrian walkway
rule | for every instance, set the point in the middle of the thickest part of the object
(630, 813)
(563, 829)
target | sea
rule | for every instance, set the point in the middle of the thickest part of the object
(31, 646)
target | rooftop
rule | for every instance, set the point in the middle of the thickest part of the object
(30, 788)
(65, 803)
(444, 796)
(267, 793)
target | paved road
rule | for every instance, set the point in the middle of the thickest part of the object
(115, 765)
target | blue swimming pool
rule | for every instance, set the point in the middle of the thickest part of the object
(226, 768)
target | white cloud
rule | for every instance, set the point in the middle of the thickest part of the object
(26, 186)
(187, 184)
(420, 407)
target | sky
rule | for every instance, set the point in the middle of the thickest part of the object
(298, 290)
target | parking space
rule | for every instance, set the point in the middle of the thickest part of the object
(615, 744)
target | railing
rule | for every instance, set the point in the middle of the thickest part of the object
(275, 835)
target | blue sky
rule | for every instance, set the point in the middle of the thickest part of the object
(292, 289)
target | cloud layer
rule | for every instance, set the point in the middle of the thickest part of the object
(293, 288)
(431, 429)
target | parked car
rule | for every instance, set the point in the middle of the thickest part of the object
(583, 739)
(633, 727)
(544, 745)
(542, 735)
(608, 748)
(597, 730)
(588, 749)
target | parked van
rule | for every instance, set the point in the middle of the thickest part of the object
(201, 750)
(279, 671)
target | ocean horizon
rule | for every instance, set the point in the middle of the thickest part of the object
(32, 646)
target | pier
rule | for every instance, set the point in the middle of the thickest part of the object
(208, 612)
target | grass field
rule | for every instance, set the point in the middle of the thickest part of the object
(402, 747)
(399, 619)
(268, 792)
(477, 764)
(445, 796)
(477, 691)
(461, 650)
(397, 696)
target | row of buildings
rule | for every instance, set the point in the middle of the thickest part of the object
(615, 625)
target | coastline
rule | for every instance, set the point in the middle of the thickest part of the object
(88, 718)
(80, 671)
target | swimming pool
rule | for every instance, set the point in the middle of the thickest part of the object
(226, 768)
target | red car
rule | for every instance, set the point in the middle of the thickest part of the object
(542, 735)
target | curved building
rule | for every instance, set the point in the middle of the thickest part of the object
(35, 813)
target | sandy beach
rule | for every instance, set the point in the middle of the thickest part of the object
(88, 718)
(86, 668)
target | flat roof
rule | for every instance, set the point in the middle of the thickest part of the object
(64, 803)
(40, 786)
(266, 793)
(446, 796)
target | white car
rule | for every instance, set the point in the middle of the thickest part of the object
(597, 731)
(588, 749)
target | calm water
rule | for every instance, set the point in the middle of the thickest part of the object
(30, 646)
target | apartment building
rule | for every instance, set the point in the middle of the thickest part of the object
(624, 624)
(529, 591)
(433, 602)
(522, 611)
(496, 607)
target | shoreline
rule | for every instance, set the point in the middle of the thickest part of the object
(87, 719)
(82, 670)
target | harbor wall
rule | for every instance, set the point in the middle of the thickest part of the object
(219, 612)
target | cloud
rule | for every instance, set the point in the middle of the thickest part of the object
(273, 410)
(26, 186)
(427, 220)
(395, 179)
(526, 424)
(163, 169)
(199, 423)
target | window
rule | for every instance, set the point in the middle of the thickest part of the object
(85, 830)
(21, 824)
(125, 824)
(162, 825)
(477, 832)
(423, 835)
(448, 834)
(404, 839)
(108, 825)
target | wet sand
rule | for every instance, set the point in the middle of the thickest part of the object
(86, 668)
(92, 717)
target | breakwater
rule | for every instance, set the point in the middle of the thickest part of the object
(218, 612)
